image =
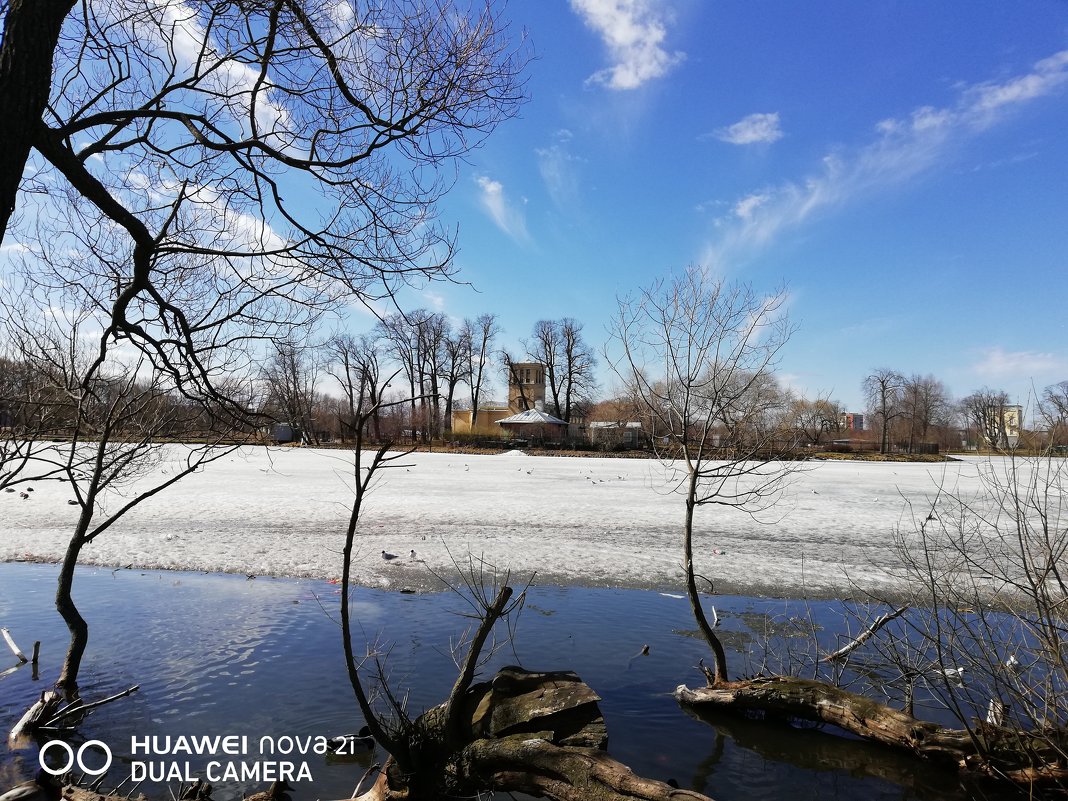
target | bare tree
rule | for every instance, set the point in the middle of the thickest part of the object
(883, 388)
(113, 418)
(464, 746)
(569, 362)
(578, 368)
(812, 419)
(986, 631)
(696, 352)
(986, 410)
(924, 404)
(417, 342)
(242, 167)
(1054, 410)
(455, 364)
(980, 637)
(356, 364)
(479, 336)
(290, 376)
(209, 179)
(432, 331)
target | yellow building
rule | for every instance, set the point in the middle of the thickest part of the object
(526, 391)
(485, 423)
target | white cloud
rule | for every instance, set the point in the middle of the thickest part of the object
(434, 300)
(754, 129)
(747, 206)
(988, 98)
(902, 149)
(634, 32)
(508, 218)
(997, 363)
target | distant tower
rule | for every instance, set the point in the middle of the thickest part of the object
(526, 386)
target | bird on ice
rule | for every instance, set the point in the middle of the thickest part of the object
(389, 557)
(412, 554)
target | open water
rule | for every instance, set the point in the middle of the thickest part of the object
(220, 655)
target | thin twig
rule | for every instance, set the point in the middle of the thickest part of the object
(82, 708)
(847, 649)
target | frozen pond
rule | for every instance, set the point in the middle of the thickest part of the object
(576, 521)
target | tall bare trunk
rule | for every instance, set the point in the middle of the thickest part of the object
(79, 629)
(31, 33)
(719, 674)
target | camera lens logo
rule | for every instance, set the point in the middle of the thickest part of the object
(76, 757)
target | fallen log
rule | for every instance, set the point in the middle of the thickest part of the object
(821, 750)
(817, 701)
(1020, 756)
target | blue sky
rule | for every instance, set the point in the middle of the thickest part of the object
(901, 167)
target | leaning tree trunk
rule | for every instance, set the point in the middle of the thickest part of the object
(79, 629)
(31, 34)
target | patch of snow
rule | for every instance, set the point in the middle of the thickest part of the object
(577, 521)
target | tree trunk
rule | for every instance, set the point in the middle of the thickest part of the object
(31, 34)
(79, 629)
(719, 674)
(989, 750)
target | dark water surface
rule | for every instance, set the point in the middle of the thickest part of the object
(222, 655)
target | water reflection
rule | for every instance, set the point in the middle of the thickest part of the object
(225, 655)
(810, 749)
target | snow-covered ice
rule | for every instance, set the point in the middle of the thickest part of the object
(577, 521)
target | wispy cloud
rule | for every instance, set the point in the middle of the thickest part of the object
(752, 130)
(999, 364)
(504, 214)
(900, 150)
(745, 208)
(557, 166)
(634, 31)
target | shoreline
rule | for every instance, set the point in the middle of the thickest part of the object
(433, 585)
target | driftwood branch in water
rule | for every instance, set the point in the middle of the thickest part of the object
(871, 631)
(1010, 753)
(14, 648)
(78, 708)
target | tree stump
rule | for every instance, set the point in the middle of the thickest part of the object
(537, 733)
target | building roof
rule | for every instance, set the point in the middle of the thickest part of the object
(532, 416)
